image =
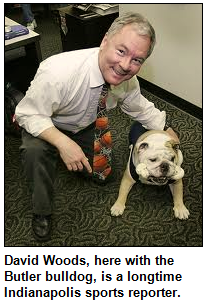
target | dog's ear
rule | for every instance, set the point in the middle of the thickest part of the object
(173, 135)
(173, 144)
(141, 146)
(176, 146)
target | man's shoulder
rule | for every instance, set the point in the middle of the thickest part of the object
(70, 56)
(69, 62)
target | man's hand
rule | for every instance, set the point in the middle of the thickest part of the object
(70, 152)
(73, 156)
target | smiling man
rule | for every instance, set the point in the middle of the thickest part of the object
(122, 54)
(59, 110)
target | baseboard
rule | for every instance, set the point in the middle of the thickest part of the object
(171, 98)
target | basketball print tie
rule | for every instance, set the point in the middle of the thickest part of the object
(103, 140)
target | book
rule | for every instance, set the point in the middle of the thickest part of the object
(105, 9)
(83, 7)
(16, 31)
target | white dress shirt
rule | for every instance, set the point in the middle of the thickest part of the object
(65, 93)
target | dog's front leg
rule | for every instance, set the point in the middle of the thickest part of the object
(126, 185)
(180, 210)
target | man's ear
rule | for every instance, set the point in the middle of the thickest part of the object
(104, 41)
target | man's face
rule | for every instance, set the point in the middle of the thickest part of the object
(121, 55)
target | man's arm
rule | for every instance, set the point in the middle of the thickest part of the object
(70, 152)
(137, 106)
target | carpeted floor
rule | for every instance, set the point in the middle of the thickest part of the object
(81, 214)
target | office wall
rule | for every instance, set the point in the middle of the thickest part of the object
(176, 63)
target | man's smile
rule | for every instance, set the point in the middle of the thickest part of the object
(119, 73)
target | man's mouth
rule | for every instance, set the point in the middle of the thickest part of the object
(120, 73)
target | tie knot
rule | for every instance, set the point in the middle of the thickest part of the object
(104, 91)
(106, 85)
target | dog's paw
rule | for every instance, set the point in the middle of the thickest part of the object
(181, 212)
(117, 209)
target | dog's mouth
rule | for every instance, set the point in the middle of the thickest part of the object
(158, 180)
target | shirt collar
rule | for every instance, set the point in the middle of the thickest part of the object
(96, 77)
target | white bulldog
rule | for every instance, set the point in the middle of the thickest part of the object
(156, 160)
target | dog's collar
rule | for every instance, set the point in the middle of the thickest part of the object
(171, 181)
(167, 125)
(132, 168)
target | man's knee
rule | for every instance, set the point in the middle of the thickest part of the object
(33, 148)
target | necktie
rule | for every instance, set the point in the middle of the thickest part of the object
(102, 140)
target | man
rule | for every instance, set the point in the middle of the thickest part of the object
(59, 110)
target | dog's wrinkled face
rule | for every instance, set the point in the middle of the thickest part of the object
(157, 159)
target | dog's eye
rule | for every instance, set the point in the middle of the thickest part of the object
(172, 159)
(152, 160)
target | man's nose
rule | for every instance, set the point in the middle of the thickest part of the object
(125, 64)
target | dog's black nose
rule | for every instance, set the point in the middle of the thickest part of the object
(164, 168)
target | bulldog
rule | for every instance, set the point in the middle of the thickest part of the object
(155, 159)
